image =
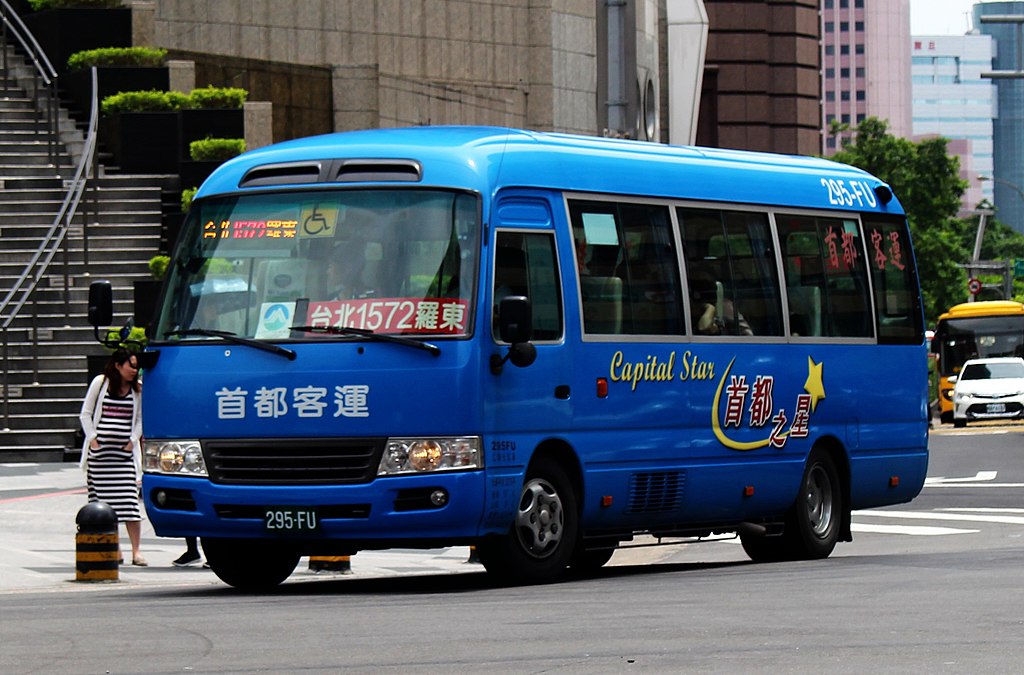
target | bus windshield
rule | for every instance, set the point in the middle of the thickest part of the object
(393, 262)
(978, 337)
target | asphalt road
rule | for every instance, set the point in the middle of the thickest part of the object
(930, 586)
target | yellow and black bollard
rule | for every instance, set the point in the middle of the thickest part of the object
(339, 564)
(96, 546)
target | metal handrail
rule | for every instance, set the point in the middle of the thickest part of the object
(44, 70)
(37, 267)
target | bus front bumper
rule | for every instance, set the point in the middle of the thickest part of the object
(441, 506)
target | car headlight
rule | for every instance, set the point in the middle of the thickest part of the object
(422, 455)
(180, 458)
(948, 394)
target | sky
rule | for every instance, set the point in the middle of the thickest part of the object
(940, 17)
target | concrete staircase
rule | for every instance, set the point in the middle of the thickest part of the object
(48, 380)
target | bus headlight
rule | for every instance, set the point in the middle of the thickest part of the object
(184, 458)
(420, 455)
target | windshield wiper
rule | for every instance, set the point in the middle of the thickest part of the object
(237, 339)
(370, 335)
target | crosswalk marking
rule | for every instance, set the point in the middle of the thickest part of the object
(914, 530)
(934, 515)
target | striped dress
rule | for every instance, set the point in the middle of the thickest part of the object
(111, 474)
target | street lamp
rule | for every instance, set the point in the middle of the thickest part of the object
(1007, 183)
(979, 265)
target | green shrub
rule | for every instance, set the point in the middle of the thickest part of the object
(144, 101)
(39, 5)
(158, 266)
(216, 149)
(117, 56)
(186, 198)
(218, 97)
(135, 341)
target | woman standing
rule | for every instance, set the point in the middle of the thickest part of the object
(112, 421)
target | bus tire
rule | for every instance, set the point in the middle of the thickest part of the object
(812, 528)
(250, 565)
(764, 549)
(540, 543)
(813, 523)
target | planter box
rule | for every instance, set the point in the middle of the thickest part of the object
(210, 123)
(170, 228)
(94, 365)
(76, 86)
(142, 142)
(62, 32)
(193, 173)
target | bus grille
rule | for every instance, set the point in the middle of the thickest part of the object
(333, 461)
(660, 492)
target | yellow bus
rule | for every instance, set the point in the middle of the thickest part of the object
(974, 330)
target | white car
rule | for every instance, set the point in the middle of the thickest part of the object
(988, 389)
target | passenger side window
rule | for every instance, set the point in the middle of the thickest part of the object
(525, 264)
(894, 282)
(628, 268)
(826, 277)
(732, 274)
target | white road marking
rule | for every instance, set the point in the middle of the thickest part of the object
(914, 530)
(934, 515)
(981, 475)
(973, 485)
(982, 510)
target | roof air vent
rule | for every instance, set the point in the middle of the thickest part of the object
(361, 170)
(290, 173)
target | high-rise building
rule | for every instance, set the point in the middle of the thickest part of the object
(953, 100)
(762, 90)
(865, 66)
(1008, 130)
(564, 65)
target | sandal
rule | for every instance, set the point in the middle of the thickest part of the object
(139, 561)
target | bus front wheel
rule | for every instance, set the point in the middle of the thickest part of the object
(249, 564)
(813, 522)
(540, 543)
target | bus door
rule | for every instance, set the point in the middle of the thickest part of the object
(529, 404)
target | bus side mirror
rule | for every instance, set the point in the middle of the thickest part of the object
(101, 304)
(515, 326)
(515, 319)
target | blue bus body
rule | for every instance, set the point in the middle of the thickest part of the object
(672, 433)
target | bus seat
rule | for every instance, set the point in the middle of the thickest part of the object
(602, 304)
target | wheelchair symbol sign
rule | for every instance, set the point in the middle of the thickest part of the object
(317, 220)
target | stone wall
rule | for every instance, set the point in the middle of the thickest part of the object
(767, 57)
(397, 62)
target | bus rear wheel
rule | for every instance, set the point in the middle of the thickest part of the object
(248, 564)
(813, 522)
(540, 543)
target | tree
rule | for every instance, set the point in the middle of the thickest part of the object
(926, 180)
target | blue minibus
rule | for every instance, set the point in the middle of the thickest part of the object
(541, 345)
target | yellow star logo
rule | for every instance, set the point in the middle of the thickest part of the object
(814, 386)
